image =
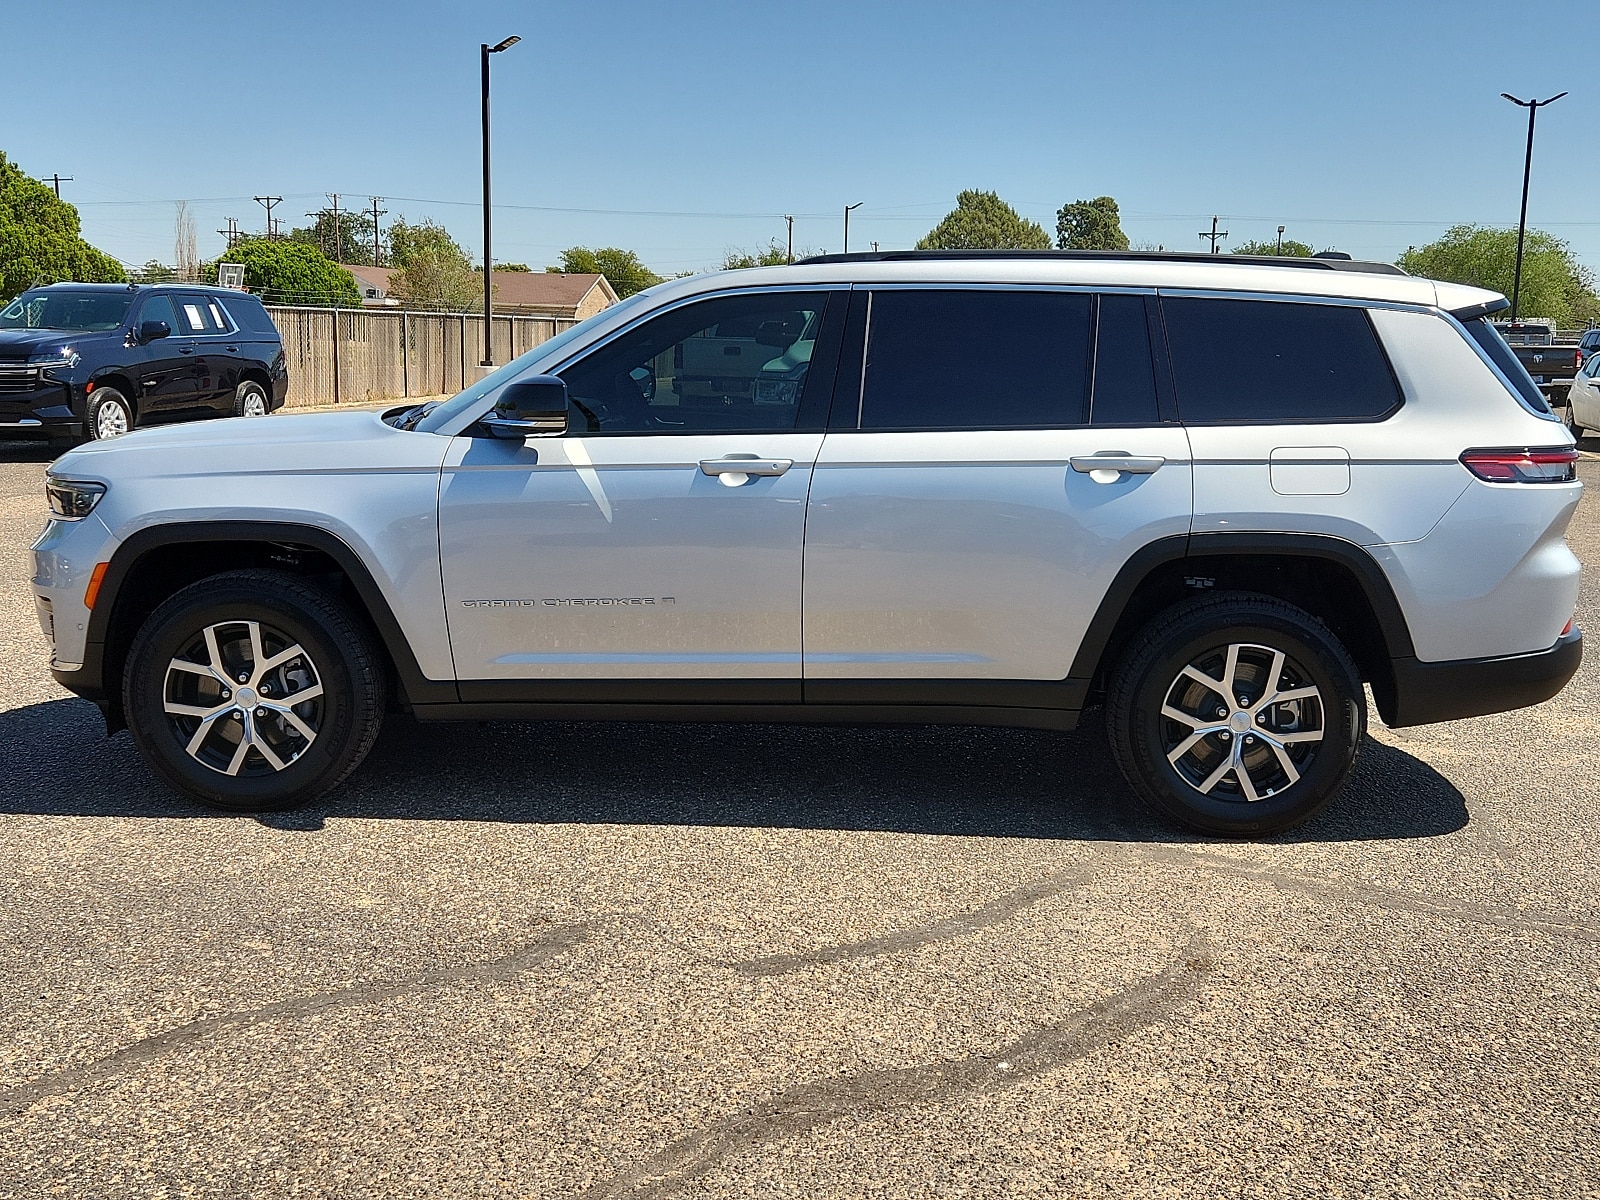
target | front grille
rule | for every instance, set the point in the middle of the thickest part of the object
(15, 380)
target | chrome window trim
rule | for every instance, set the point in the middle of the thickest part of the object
(467, 418)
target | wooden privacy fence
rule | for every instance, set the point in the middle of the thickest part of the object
(360, 356)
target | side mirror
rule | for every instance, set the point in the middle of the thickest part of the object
(150, 331)
(531, 407)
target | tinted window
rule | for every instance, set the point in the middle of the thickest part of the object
(1503, 356)
(195, 313)
(975, 360)
(1124, 376)
(734, 363)
(248, 314)
(1261, 360)
(159, 308)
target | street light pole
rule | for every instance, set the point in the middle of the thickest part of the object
(1533, 107)
(1280, 241)
(484, 50)
(847, 209)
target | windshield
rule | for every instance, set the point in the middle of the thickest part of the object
(84, 312)
(444, 413)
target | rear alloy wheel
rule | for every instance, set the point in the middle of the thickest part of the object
(253, 691)
(1573, 427)
(1236, 714)
(250, 400)
(110, 415)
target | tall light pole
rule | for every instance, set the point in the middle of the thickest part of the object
(847, 209)
(1279, 250)
(1533, 107)
(484, 50)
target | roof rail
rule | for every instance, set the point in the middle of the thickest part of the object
(1253, 260)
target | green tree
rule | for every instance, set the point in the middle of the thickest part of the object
(622, 268)
(770, 255)
(983, 221)
(432, 271)
(520, 268)
(1289, 249)
(1555, 285)
(285, 272)
(1090, 225)
(347, 241)
(40, 238)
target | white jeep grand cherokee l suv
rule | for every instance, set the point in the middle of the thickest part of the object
(1216, 495)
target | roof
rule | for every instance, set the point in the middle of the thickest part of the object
(514, 289)
(140, 287)
(1335, 279)
(1326, 261)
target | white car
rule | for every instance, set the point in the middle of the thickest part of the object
(1583, 399)
(1214, 495)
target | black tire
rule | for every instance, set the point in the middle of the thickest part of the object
(243, 395)
(1196, 787)
(1573, 427)
(101, 413)
(337, 655)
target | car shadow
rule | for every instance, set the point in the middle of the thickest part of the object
(29, 452)
(950, 780)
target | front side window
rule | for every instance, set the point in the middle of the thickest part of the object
(159, 308)
(1240, 361)
(734, 363)
(82, 312)
(939, 359)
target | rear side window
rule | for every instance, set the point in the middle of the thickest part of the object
(1276, 361)
(1503, 356)
(1124, 374)
(976, 360)
(248, 314)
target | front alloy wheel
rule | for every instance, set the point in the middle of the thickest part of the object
(244, 698)
(253, 690)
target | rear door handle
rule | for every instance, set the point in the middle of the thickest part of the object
(735, 469)
(1114, 462)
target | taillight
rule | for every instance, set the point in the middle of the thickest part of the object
(1554, 464)
(1577, 361)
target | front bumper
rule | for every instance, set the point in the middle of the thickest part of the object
(34, 405)
(1425, 692)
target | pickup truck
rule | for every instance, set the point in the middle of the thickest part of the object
(1552, 366)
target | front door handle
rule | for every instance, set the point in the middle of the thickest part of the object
(735, 469)
(1107, 466)
(185, 349)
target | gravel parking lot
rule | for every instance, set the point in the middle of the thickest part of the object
(648, 961)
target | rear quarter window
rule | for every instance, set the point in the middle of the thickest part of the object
(248, 314)
(1266, 361)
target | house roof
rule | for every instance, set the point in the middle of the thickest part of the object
(514, 289)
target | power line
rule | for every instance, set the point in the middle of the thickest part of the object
(268, 203)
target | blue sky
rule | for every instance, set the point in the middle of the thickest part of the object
(680, 130)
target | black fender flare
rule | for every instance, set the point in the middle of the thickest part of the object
(1197, 547)
(416, 687)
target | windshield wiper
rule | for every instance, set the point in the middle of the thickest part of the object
(412, 416)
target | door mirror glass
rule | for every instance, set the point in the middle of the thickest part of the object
(149, 331)
(532, 407)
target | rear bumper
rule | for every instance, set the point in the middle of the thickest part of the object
(1425, 692)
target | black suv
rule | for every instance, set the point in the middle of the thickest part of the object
(88, 361)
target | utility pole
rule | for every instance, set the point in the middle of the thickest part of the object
(790, 222)
(1280, 241)
(268, 203)
(231, 232)
(874, 247)
(376, 213)
(1533, 107)
(277, 227)
(484, 51)
(847, 209)
(1214, 235)
(338, 231)
(58, 180)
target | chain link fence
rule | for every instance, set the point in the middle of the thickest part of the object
(347, 356)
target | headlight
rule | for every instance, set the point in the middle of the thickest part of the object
(72, 500)
(66, 357)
